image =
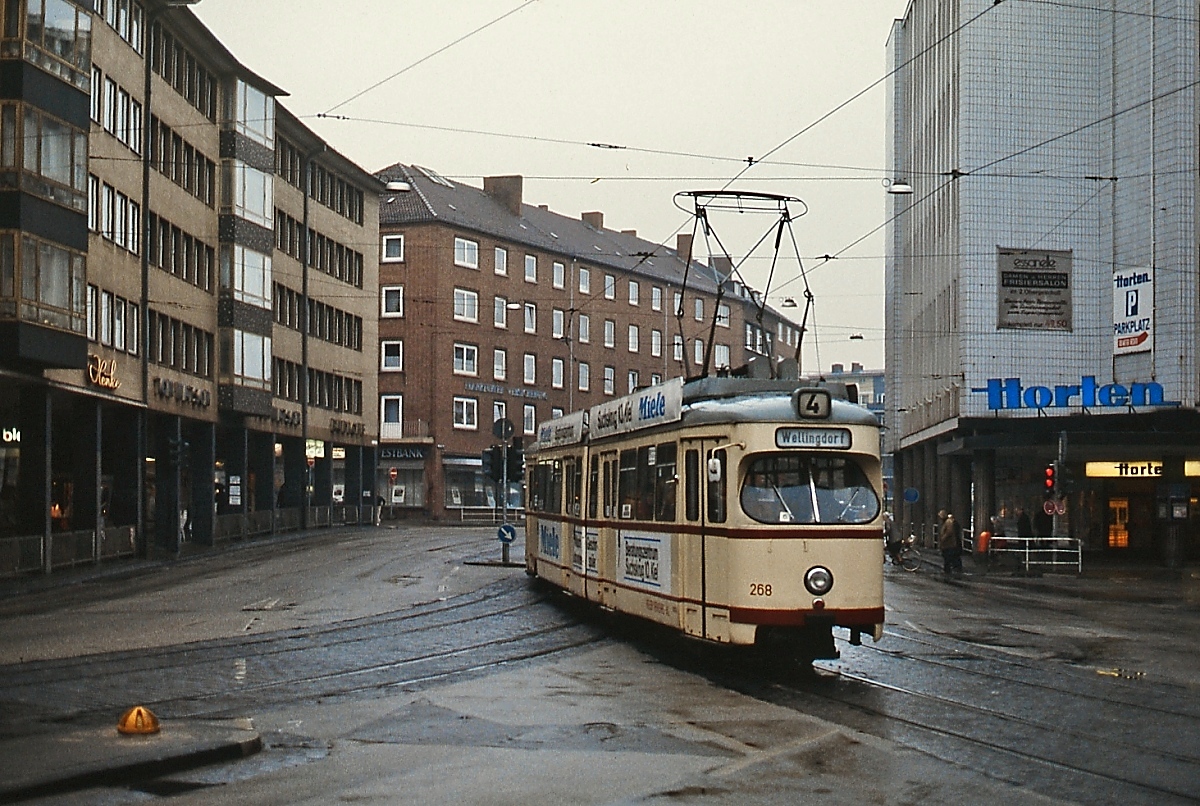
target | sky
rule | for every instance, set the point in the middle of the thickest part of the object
(688, 90)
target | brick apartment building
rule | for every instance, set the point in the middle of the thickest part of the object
(492, 309)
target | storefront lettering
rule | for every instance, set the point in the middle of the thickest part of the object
(182, 393)
(12, 435)
(337, 426)
(402, 453)
(1008, 393)
(102, 372)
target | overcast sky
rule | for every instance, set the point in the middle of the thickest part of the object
(689, 88)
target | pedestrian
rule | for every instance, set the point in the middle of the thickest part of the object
(378, 510)
(891, 538)
(950, 543)
(1024, 525)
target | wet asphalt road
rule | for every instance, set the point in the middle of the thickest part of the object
(382, 664)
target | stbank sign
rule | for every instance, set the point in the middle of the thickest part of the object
(1010, 393)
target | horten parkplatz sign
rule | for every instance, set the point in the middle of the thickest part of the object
(1010, 393)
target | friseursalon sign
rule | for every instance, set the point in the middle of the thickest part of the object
(1010, 393)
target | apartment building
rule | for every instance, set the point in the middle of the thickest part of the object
(184, 324)
(493, 309)
(1043, 297)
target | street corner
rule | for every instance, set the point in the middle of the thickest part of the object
(69, 760)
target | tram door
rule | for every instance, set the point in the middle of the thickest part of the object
(706, 487)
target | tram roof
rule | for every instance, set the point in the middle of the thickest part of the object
(745, 400)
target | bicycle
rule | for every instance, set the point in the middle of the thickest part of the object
(909, 556)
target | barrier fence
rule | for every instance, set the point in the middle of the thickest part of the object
(1029, 552)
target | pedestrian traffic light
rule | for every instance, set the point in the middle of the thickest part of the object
(493, 463)
(516, 460)
(1050, 479)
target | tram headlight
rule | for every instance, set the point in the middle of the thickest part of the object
(818, 580)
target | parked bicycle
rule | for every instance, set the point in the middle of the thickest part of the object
(909, 556)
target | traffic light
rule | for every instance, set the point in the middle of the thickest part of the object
(493, 462)
(178, 448)
(1050, 482)
(1066, 479)
(516, 460)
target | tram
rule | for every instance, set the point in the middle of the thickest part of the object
(735, 510)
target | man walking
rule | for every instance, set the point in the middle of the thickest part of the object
(949, 541)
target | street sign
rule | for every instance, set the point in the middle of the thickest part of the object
(1050, 507)
(911, 495)
(506, 533)
(503, 428)
(392, 473)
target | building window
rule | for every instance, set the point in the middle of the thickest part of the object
(610, 287)
(585, 281)
(530, 369)
(392, 301)
(530, 269)
(530, 317)
(610, 333)
(555, 412)
(254, 114)
(558, 320)
(501, 265)
(634, 293)
(251, 359)
(560, 275)
(656, 343)
(677, 347)
(248, 274)
(393, 249)
(391, 417)
(392, 356)
(634, 338)
(634, 380)
(106, 328)
(466, 305)
(585, 376)
(655, 379)
(466, 253)
(253, 196)
(723, 315)
(499, 410)
(655, 298)
(698, 346)
(466, 358)
(610, 380)
(93, 313)
(530, 419)
(500, 312)
(585, 328)
(699, 309)
(500, 364)
(556, 373)
(721, 356)
(466, 413)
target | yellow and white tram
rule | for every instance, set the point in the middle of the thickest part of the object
(736, 510)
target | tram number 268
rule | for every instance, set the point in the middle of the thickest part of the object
(760, 589)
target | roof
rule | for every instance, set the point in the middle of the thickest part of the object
(433, 198)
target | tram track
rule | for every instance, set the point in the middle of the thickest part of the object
(1088, 752)
(242, 675)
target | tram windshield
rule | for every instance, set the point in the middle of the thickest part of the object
(808, 488)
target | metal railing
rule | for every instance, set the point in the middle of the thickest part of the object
(23, 554)
(1038, 551)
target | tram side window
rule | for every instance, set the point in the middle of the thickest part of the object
(691, 462)
(665, 483)
(554, 495)
(546, 487)
(574, 475)
(627, 493)
(610, 487)
(594, 486)
(716, 489)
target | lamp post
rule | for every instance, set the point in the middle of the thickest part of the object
(153, 12)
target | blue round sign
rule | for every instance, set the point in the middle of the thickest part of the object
(506, 533)
(912, 495)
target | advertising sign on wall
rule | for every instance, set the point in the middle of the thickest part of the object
(1033, 289)
(1133, 311)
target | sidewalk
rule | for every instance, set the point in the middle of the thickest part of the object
(55, 763)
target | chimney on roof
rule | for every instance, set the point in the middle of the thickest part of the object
(723, 264)
(683, 245)
(632, 233)
(855, 366)
(506, 190)
(595, 220)
(838, 369)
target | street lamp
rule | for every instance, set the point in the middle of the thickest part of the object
(898, 187)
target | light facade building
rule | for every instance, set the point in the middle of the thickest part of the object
(503, 310)
(160, 384)
(1042, 280)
